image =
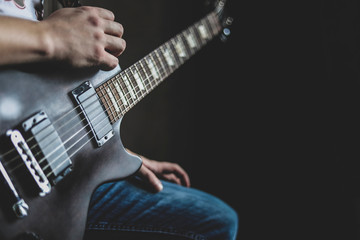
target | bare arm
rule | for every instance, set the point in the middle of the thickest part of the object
(22, 41)
(81, 37)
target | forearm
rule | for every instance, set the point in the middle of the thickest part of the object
(79, 37)
(23, 41)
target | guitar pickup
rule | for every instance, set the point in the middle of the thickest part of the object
(43, 152)
(94, 112)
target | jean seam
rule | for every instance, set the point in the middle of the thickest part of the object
(152, 229)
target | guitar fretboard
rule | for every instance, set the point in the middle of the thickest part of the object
(120, 93)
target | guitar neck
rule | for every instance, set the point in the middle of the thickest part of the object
(120, 93)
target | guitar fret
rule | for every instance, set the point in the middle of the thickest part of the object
(191, 40)
(105, 100)
(161, 61)
(151, 72)
(198, 36)
(127, 88)
(112, 99)
(208, 27)
(168, 58)
(173, 53)
(179, 48)
(144, 79)
(135, 82)
(215, 23)
(139, 78)
(133, 86)
(207, 23)
(203, 31)
(212, 24)
(117, 94)
(157, 65)
(121, 94)
(128, 85)
(154, 71)
(147, 76)
(185, 43)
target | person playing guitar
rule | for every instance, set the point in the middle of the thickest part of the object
(157, 199)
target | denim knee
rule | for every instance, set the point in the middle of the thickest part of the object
(222, 220)
(228, 222)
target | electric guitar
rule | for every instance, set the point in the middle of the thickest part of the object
(60, 134)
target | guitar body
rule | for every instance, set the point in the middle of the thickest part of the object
(60, 134)
(60, 214)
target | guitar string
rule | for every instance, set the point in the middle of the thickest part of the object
(46, 127)
(156, 83)
(161, 72)
(62, 117)
(180, 35)
(94, 136)
(159, 60)
(103, 127)
(96, 100)
(70, 147)
(126, 95)
(44, 158)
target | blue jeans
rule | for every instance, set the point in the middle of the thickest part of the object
(125, 208)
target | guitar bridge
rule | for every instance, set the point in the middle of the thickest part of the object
(30, 161)
(43, 152)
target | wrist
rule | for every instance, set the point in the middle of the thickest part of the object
(47, 46)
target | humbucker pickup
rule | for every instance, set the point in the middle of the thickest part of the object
(94, 112)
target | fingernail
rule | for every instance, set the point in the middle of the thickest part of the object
(160, 186)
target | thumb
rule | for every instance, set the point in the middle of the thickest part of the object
(150, 179)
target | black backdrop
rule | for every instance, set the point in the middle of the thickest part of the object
(267, 121)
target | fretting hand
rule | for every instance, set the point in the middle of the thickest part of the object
(85, 37)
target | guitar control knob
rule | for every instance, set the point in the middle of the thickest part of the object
(21, 209)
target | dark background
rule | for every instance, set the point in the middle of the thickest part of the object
(268, 121)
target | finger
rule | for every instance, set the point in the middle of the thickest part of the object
(172, 178)
(180, 172)
(150, 178)
(108, 62)
(101, 12)
(115, 45)
(104, 13)
(113, 28)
